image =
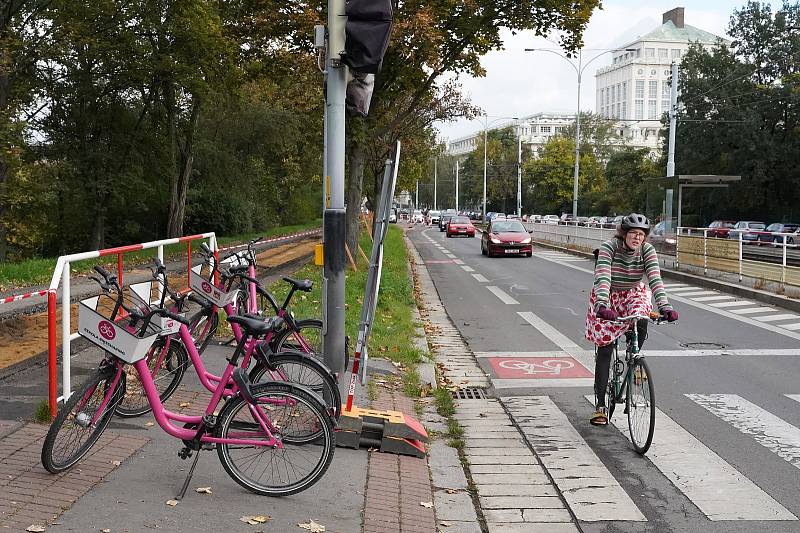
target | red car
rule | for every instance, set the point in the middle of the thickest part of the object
(720, 228)
(460, 226)
(506, 237)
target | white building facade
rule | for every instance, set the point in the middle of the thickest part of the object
(535, 130)
(635, 88)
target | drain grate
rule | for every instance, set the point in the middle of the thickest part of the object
(470, 393)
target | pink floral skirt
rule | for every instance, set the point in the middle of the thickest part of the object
(635, 301)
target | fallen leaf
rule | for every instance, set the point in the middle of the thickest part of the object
(172, 503)
(203, 490)
(105, 530)
(184, 404)
(482, 415)
(445, 524)
(427, 505)
(312, 526)
(149, 424)
(116, 463)
(452, 491)
(256, 519)
(38, 529)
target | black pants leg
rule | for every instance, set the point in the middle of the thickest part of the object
(603, 363)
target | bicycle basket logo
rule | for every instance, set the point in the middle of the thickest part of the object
(107, 330)
(206, 286)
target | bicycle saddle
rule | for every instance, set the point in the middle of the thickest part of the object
(257, 326)
(305, 285)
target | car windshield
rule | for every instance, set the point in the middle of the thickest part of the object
(756, 225)
(459, 220)
(508, 226)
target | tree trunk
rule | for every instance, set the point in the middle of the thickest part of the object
(180, 186)
(354, 194)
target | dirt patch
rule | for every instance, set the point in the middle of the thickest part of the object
(26, 336)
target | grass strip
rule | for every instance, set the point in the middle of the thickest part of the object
(40, 271)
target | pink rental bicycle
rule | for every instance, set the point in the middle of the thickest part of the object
(272, 438)
(170, 355)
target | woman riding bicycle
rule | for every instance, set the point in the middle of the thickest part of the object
(622, 263)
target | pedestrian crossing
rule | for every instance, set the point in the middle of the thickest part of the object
(596, 491)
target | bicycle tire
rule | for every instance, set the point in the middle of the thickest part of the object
(641, 406)
(302, 370)
(290, 412)
(286, 341)
(87, 396)
(135, 403)
(199, 320)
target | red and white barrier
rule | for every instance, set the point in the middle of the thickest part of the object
(19, 297)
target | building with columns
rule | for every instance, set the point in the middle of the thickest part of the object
(633, 90)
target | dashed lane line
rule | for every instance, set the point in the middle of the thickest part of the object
(467, 268)
(480, 278)
(504, 297)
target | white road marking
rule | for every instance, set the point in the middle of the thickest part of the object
(775, 434)
(776, 318)
(751, 310)
(712, 298)
(705, 307)
(719, 490)
(791, 327)
(458, 262)
(480, 278)
(467, 268)
(590, 490)
(500, 293)
(795, 397)
(584, 357)
(500, 383)
(674, 285)
(697, 293)
(687, 289)
(731, 304)
(589, 354)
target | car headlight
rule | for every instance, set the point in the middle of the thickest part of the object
(525, 241)
(495, 240)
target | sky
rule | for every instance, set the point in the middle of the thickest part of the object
(519, 83)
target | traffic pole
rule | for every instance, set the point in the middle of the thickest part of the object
(335, 215)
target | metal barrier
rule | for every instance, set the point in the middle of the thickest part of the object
(61, 274)
(571, 235)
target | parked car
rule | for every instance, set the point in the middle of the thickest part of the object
(567, 218)
(445, 218)
(593, 222)
(749, 230)
(460, 225)
(550, 219)
(434, 216)
(778, 227)
(417, 217)
(506, 237)
(720, 228)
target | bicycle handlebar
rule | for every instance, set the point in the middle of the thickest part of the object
(655, 317)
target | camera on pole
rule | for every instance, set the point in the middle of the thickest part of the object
(367, 31)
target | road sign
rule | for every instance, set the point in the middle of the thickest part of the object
(538, 368)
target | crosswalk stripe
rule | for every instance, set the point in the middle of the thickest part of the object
(674, 285)
(697, 293)
(775, 318)
(791, 327)
(500, 293)
(719, 490)
(731, 304)
(751, 310)
(687, 289)
(712, 298)
(585, 483)
(775, 434)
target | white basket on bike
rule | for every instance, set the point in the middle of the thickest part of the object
(95, 324)
(203, 286)
(147, 296)
(240, 258)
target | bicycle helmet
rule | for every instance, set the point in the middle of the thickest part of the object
(635, 221)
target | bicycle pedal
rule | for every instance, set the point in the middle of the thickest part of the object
(185, 453)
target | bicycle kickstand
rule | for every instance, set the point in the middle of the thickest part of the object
(185, 486)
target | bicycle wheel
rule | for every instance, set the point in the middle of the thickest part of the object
(310, 329)
(641, 406)
(276, 471)
(171, 360)
(203, 328)
(72, 433)
(303, 370)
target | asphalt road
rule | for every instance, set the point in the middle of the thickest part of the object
(727, 453)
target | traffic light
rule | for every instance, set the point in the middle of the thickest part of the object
(369, 24)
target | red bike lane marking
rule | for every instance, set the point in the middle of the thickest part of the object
(557, 367)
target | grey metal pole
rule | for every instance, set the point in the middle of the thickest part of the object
(456, 185)
(519, 176)
(416, 198)
(435, 161)
(485, 136)
(673, 105)
(334, 225)
(577, 145)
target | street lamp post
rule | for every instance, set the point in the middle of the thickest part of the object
(486, 125)
(579, 71)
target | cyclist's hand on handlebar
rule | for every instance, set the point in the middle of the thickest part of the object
(670, 315)
(606, 313)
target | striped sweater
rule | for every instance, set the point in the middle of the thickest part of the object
(619, 268)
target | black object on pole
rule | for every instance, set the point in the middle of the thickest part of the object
(369, 24)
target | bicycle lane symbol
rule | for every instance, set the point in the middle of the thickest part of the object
(538, 368)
